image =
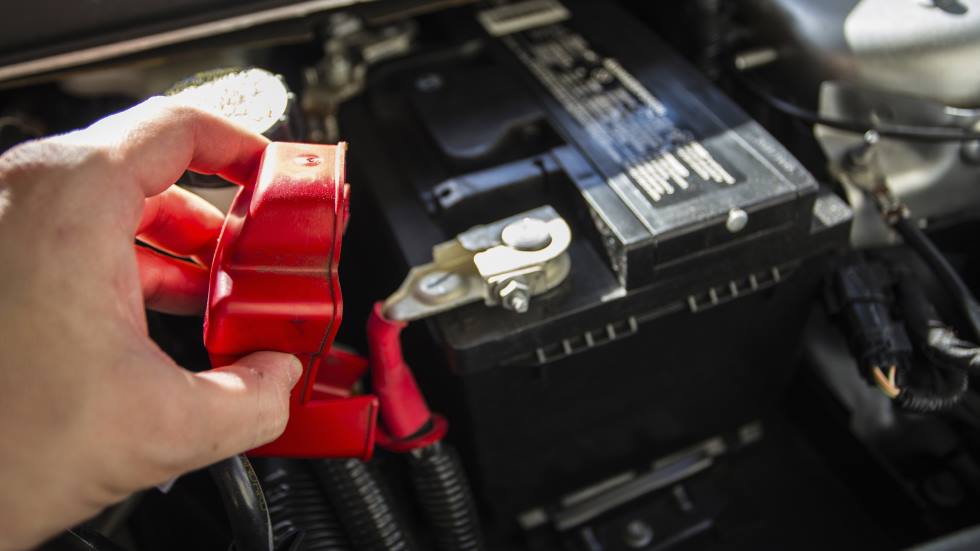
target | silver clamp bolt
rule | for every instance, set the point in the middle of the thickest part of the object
(526, 234)
(515, 295)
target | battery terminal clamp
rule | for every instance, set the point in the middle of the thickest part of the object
(503, 263)
(275, 286)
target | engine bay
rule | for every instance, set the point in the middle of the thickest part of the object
(670, 276)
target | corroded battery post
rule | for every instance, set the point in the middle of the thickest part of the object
(253, 98)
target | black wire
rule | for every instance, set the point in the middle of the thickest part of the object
(244, 503)
(949, 390)
(916, 239)
(908, 132)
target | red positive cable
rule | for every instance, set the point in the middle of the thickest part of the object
(407, 421)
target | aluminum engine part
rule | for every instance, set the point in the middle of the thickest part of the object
(889, 62)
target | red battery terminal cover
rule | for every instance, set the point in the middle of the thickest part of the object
(274, 286)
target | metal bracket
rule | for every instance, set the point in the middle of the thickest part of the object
(503, 263)
(862, 168)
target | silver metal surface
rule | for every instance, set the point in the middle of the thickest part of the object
(932, 179)
(167, 38)
(527, 234)
(515, 295)
(737, 220)
(349, 49)
(520, 16)
(480, 265)
(898, 62)
(439, 286)
(752, 59)
(924, 48)
(680, 469)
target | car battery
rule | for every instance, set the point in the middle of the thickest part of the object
(697, 241)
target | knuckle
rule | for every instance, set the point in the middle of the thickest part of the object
(173, 107)
(24, 159)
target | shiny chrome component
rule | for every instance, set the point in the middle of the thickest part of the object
(894, 62)
(737, 220)
(504, 263)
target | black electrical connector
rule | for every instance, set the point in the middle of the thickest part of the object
(862, 297)
(891, 333)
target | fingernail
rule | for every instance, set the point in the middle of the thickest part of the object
(295, 371)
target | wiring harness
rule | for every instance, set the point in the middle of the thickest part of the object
(898, 338)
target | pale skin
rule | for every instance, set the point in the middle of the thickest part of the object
(91, 409)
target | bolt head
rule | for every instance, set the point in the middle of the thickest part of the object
(438, 285)
(637, 534)
(526, 234)
(737, 220)
(515, 296)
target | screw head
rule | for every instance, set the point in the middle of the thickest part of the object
(526, 234)
(438, 285)
(429, 82)
(637, 534)
(737, 220)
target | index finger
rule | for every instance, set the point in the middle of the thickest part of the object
(155, 141)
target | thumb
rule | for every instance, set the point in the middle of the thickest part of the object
(242, 405)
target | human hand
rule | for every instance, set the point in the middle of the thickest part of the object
(91, 409)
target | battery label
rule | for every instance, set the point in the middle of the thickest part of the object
(666, 162)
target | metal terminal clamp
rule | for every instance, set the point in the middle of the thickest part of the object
(503, 263)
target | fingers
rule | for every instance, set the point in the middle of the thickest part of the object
(170, 285)
(181, 223)
(155, 141)
(241, 406)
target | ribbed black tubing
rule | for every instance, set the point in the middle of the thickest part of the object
(363, 505)
(298, 504)
(446, 499)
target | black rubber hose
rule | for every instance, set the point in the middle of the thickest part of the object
(244, 504)
(297, 504)
(363, 505)
(446, 499)
(947, 275)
